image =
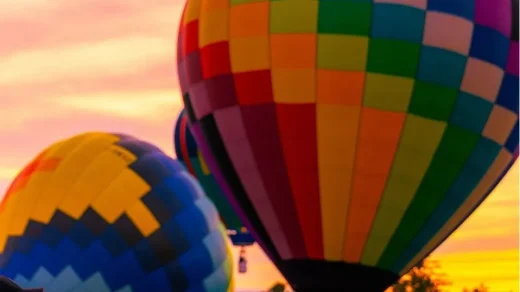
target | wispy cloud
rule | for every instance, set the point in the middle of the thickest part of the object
(110, 57)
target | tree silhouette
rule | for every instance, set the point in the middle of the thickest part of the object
(481, 288)
(278, 287)
(424, 277)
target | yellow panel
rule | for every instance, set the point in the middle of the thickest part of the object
(294, 85)
(500, 123)
(387, 92)
(47, 203)
(332, 50)
(203, 165)
(249, 54)
(143, 219)
(33, 193)
(499, 165)
(419, 141)
(95, 179)
(192, 11)
(337, 128)
(5, 217)
(213, 27)
(124, 191)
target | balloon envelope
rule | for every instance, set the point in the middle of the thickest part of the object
(105, 212)
(188, 153)
(356, 135)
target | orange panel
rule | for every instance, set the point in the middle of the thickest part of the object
(377, 143)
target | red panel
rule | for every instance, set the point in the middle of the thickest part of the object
(262, 131)
(190, 38)
(221, 92)
(254, 87)
(297, 124)
(215, 60)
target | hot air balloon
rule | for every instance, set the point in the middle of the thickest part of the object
(189, 154)
(355, 135)
(107, 212)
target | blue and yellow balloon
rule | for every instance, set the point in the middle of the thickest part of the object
(106, 212)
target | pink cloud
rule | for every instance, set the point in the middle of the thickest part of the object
(86, 21)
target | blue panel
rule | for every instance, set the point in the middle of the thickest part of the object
(145, 256)
(115, 277)
(177, 276)
(113, 242)
(156, 281)
(197, 263)
(81, 235)
(216, 245)
(219, 280)
(84, 267)
(398, 22)
(481, 47)
(40, 278)
(476, 167)
(95, 283)
(65, 281)
(508, 96)
(29, 267)
(22, 281)
(150, 169)
(186, 186)
(175, 234)
(173, 165)
(433, 64)
(61, 256)
(138, 148)
(471, 112)
(194, 229)
(39, 253)
(13, 266)
(464, 9)
(173, 200)
(512, 141)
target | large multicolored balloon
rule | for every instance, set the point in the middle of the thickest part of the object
(105, 212)
(356, 135)
(188, 153)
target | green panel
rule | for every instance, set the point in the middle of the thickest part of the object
(293, 16)
(393, 57)
(339, 17)
(453, 152)
(432, 101)
(213, 191)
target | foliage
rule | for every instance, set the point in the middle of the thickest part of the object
(481, 288)
(278, 287)
(425, 277)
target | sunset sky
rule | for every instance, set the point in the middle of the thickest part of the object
(73, 66)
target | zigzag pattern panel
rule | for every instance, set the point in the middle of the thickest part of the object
(102, 212)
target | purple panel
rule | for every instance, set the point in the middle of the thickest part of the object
(262, 130)
(495, 14)
(234, 137)
(193, 68)
(199, 100)
(181, 74)
(512, 59)
(212, 165)
(221, 92)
